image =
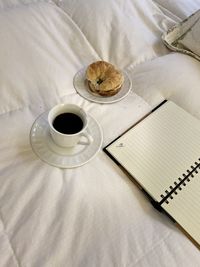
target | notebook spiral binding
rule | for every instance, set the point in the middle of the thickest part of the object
(180, 183)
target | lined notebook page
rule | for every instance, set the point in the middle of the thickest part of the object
(185, 207)
(159, 149)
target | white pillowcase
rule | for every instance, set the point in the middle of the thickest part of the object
(175, 77)
(122, 32)
(179, 8)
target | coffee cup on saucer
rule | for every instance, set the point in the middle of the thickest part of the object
(68, 125)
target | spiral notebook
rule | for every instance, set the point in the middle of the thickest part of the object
(162, 154)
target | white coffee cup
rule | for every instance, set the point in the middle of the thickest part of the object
(65, 139)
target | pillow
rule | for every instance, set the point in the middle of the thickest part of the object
(122, 33)
(179, 8)
(175, 77)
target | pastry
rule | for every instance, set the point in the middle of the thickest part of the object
(103, 78)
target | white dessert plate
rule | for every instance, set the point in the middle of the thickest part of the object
(45, 148)
(82, 89)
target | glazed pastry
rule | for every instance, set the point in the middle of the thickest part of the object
(103, 78)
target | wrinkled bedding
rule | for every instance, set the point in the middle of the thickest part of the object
(92, 215)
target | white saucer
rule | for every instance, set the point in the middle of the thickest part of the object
(82, 89)
(44, 147)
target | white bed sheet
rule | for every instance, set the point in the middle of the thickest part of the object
(92, 215)
(7, 4)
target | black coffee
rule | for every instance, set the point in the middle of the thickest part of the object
(68, 123)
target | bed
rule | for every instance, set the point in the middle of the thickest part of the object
(91, 215)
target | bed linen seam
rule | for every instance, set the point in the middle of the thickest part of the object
(13, 110)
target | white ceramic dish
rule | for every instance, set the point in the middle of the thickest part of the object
(44, 147)
(82, 89)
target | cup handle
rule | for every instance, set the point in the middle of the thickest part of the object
(88, 137)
